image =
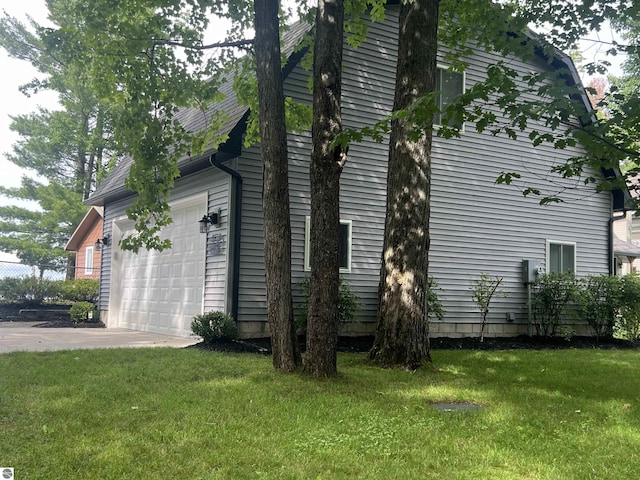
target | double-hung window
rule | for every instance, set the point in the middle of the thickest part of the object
(344, 245)
(88, 261)
(561, 257)
(449, 86)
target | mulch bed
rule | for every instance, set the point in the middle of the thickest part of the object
(363, 344)
(52, 323)
(69, 324)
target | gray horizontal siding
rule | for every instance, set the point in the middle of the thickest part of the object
(476, 225)
(251, 297)
(216, 285)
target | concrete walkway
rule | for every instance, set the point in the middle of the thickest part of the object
(21, 336)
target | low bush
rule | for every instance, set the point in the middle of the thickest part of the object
(434, 306)
(553, 296)
(80, 311)
(628, 322)
(80, 290)
(348, 303)
(600, 300)
(29, 290)
(214, 326)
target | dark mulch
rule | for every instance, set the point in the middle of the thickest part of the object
(363, 344)
(69, 324)
(55, 323)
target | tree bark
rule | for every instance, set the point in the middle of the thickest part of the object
(275, 196)
(81, 156)
(402, 333)
(324, 176)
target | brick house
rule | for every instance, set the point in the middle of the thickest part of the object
(87, 241)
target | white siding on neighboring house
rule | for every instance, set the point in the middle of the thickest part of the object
(622, 227)
(635, 229)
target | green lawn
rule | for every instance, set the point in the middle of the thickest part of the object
(189, 414)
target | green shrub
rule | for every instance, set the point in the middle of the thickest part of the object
(80, 290)
(214, 326)
(79, 312)
(348, 303)
(29, 290)
(600, 301)
(434, 307)
(628, 322)
(553, 296)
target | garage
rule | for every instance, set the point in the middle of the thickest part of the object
(161, 292)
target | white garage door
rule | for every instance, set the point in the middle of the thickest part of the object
(162, 291)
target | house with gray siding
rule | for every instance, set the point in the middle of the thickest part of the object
(476, 225)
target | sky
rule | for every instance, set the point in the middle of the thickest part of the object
(15, 73)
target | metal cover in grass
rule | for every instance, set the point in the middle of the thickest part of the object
(457, 407)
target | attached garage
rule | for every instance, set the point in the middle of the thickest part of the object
(155, 291)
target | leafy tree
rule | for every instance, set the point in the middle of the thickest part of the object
(403, 326)
(63, 147)
(148, 62)
(275, 198)
(549, 97)
(597, 90)
(327, 162)
(622, 102)
(38, 237)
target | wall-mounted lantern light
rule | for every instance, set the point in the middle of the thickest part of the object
(212, 218)
(104, 241)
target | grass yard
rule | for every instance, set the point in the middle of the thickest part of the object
(165, 413)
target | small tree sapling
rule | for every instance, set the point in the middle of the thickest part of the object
(483, 290)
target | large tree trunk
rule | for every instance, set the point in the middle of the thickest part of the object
(275, 196)
(326, 166)
(402, 334)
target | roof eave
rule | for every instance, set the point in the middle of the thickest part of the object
(94, 214)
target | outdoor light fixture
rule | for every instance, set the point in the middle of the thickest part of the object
(104, 241)
(212, 218)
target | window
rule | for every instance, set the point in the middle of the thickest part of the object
(450, 85)
(344, 246)
(88, 261)
(561, 257)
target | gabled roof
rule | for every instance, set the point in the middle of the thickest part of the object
(625, 249)
(93, 216)
(194, 119)
(621, 196)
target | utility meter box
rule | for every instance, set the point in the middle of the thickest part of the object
(531, 269)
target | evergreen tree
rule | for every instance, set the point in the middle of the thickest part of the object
(64, 148)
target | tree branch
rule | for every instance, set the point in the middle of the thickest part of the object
(239, 43)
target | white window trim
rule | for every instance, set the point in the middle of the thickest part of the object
(441, 66)
(88, 260)
(559, 242)
(307, 248)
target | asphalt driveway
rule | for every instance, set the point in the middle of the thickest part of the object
(22, 336)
